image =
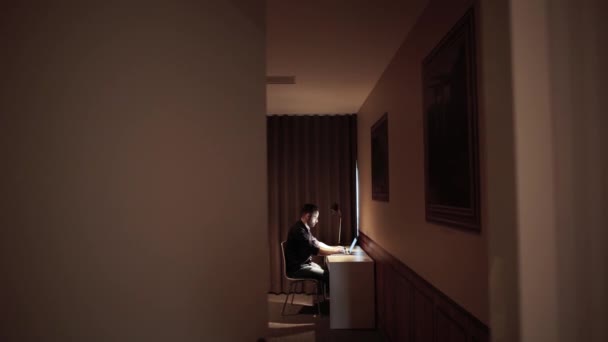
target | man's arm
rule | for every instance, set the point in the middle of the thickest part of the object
(329, 250)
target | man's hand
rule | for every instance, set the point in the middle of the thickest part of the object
(329, 250)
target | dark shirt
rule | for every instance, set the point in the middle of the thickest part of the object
(300, 247)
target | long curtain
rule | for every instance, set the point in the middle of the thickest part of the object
(311, 159)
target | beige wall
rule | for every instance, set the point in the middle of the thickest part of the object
(452, 260)
(578, 32)
(498, 140)
(549, 189)
(534, 170)
(133, 185)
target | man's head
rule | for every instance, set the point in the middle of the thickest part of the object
(310, 214)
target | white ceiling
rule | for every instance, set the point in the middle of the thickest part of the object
(336, 49)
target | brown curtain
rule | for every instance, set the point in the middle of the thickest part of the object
(311, 159)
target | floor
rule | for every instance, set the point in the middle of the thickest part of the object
(302, 324)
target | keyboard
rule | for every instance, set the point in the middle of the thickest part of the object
(356, 250)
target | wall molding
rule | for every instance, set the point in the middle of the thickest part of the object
(409, 308)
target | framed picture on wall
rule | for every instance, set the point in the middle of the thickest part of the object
(450, 129)
(380, 184)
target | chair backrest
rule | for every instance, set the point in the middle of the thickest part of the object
(283, 255)
(285, 265)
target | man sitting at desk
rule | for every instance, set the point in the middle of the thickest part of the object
(302, 245)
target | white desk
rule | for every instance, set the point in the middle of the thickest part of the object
(351, 291)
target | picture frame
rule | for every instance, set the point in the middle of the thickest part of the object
(450, 116)
(379, 147)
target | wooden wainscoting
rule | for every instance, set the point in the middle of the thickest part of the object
(408, 308)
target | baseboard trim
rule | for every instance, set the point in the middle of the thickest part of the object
(409, 308)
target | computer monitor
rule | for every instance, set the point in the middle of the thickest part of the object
(352, 245)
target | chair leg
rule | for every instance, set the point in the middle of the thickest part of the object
(287, 298)
(295, 288)
(317, 299)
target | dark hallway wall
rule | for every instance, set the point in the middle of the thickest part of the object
(452, 260)
(130, 136)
